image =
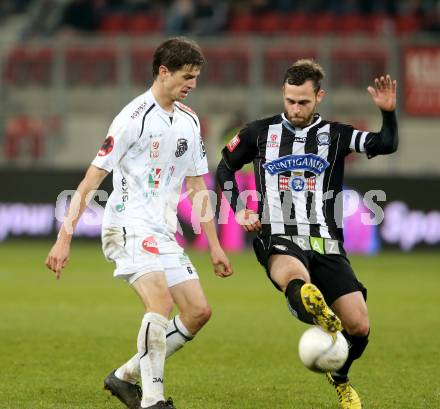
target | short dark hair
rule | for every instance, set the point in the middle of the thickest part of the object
(304, 70)
(177, 52)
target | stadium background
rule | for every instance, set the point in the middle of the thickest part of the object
(67, 68)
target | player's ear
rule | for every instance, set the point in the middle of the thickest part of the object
(163, 72)
(320, 95)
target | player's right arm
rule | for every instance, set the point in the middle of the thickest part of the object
(59, 254)
(241, 150)
(118, 141)
(386, 140)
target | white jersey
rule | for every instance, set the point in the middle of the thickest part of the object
(150, 151)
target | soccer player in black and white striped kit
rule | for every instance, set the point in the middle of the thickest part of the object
(298, 159)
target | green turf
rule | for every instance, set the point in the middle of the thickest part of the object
(59, 339)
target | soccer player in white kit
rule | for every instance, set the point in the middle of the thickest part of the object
(152, 146)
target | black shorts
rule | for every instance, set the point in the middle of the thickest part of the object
(332, 273)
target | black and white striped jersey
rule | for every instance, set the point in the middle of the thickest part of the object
(298, 172)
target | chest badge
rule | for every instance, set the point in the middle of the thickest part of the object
(323, 138)
(182, 147)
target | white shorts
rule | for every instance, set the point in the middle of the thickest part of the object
(137, 253)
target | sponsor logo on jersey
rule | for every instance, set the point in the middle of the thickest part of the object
(124, 190)
(182, 147)
(170, 174)
(273, 141)
(308, 162)
(323, 138)
(281, 247)
(234, 142)
(120, 207)
(154, 149)
(283, 183)
(154, 178)
(107, 146)
(138, 110)
(202, 148)
(297, 183)
(300, 139)
(150, 244)
(311, 184)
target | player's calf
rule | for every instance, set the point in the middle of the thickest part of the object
(295, 302)
(315, 305)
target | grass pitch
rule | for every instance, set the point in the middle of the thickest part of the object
(59, 339)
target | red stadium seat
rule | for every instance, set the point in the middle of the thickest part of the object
(21, 132)
(29, 65)
(296, 23)
(271, 23)
(378, 24)
(241, 23)
(226, 66)
(91, 66)
(114, 23)
(141, 60)
(322, 24)
(351, 24)
(353, 68)
(406, 25)
(141, 24)
(277, 60)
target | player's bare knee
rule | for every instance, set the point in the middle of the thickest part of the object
(200, 314)
(203, 313)
(358, 329)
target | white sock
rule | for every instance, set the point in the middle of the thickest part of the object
(177, 335)
(130, 371)
(151, 345)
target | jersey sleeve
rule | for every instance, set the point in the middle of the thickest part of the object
(199, 163)
(354, 140)
(241, 149)
(383, 142)
(115, 146)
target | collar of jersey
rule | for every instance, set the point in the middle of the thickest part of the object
(316, 120)
(150, 94)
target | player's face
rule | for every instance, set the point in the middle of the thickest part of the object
(180, 83)
(300, 102)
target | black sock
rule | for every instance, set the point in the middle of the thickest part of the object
(294, 301)
(356, 347)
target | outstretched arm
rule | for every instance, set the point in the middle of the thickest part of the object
(199, 195)
(59, 254)
(384, 93)
(384, 96)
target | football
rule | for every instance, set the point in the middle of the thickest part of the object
(319, 352)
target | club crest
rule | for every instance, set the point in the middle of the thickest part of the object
(182, 147)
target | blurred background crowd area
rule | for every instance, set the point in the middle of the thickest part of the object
(211, 17)
(68, 66)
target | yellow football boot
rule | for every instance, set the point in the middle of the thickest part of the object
(315, 305)
(347, 396)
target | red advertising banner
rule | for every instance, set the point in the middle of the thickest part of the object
(422, 81)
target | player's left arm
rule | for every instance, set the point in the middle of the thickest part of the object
(201, 204)
(386, 140)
